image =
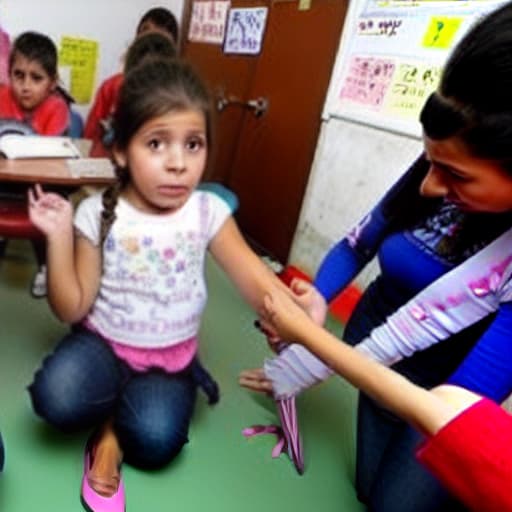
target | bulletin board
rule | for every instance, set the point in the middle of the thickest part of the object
(391, 58)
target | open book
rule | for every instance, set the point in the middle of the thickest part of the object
(37, 146)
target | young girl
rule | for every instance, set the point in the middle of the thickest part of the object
(469, 439)
(32, 98)
(130, 279)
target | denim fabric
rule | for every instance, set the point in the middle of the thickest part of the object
(82, 383)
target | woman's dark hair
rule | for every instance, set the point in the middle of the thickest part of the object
(152, 89)
(162, 18)
(149, 44)
(474, 99)
(37, 47)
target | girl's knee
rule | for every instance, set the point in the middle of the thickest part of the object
(151, 447)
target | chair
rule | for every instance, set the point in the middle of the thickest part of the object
(15, 223)
(76, 124)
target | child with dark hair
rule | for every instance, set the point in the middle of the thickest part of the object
(454, 204)
(32, 98)
(129, 277)
(158, 20)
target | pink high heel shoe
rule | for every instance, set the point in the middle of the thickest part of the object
(94, 502)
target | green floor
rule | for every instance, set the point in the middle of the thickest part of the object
(219, 470)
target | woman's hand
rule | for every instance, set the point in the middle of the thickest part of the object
(285, 317)
(49, 212)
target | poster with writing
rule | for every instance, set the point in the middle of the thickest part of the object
(392, 55)
(208, 22)
(245, 30)
(81, 55)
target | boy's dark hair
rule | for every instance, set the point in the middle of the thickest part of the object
(149, 45)
(162, 18)
(37, 47)
(474, 100)
(152, 89)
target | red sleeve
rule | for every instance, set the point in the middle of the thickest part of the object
(103, 106)
(51, 117)
(472, 457)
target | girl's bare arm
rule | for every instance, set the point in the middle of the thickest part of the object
(74, 263)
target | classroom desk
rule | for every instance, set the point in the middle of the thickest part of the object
(57, 171)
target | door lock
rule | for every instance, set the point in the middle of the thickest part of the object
(258, 106)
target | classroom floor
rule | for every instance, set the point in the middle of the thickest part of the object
(219, 470)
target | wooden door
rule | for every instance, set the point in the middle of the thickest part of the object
(266, 160)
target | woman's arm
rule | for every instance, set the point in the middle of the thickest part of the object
(427, 411)
(74, 264)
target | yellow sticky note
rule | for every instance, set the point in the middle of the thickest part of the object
(304, 5)
(81, 55)
(441, 31)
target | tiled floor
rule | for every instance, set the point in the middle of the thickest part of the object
(219, 470)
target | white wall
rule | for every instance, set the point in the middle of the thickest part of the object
(354, 165)
(112, 23)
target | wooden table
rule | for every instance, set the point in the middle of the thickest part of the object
(57, 171)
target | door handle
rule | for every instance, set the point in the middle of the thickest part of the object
(258, 105)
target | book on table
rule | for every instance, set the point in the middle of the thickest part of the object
(24, 147)
(13, 145)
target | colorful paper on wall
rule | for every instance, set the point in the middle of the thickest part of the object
(81, 55)
(441, 31)
(245, 30)
(367, 81)
(412, 84)
(208, 22)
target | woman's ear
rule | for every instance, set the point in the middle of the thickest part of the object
(119, 157)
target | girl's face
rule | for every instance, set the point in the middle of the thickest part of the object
(30, 82)
(472, 183)
(166, 158)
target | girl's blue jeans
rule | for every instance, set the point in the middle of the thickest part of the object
(82, 383)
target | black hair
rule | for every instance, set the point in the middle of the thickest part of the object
(162, 18)
(149, 44)
(474, 100)
(151, 89)
(37, 47)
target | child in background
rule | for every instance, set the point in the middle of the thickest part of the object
(32, 98)
(129, 277)
(157, 19)
(469, 438)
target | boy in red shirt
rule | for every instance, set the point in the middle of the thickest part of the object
(32, 98)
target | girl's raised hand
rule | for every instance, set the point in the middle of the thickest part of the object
(49, 212)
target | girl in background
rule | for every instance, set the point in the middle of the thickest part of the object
(32, 97)
(97, 125)
(129, 277)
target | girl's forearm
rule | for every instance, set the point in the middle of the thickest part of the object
(64, 294)
(424, 410)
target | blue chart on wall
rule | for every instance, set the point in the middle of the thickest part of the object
(391, 58)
